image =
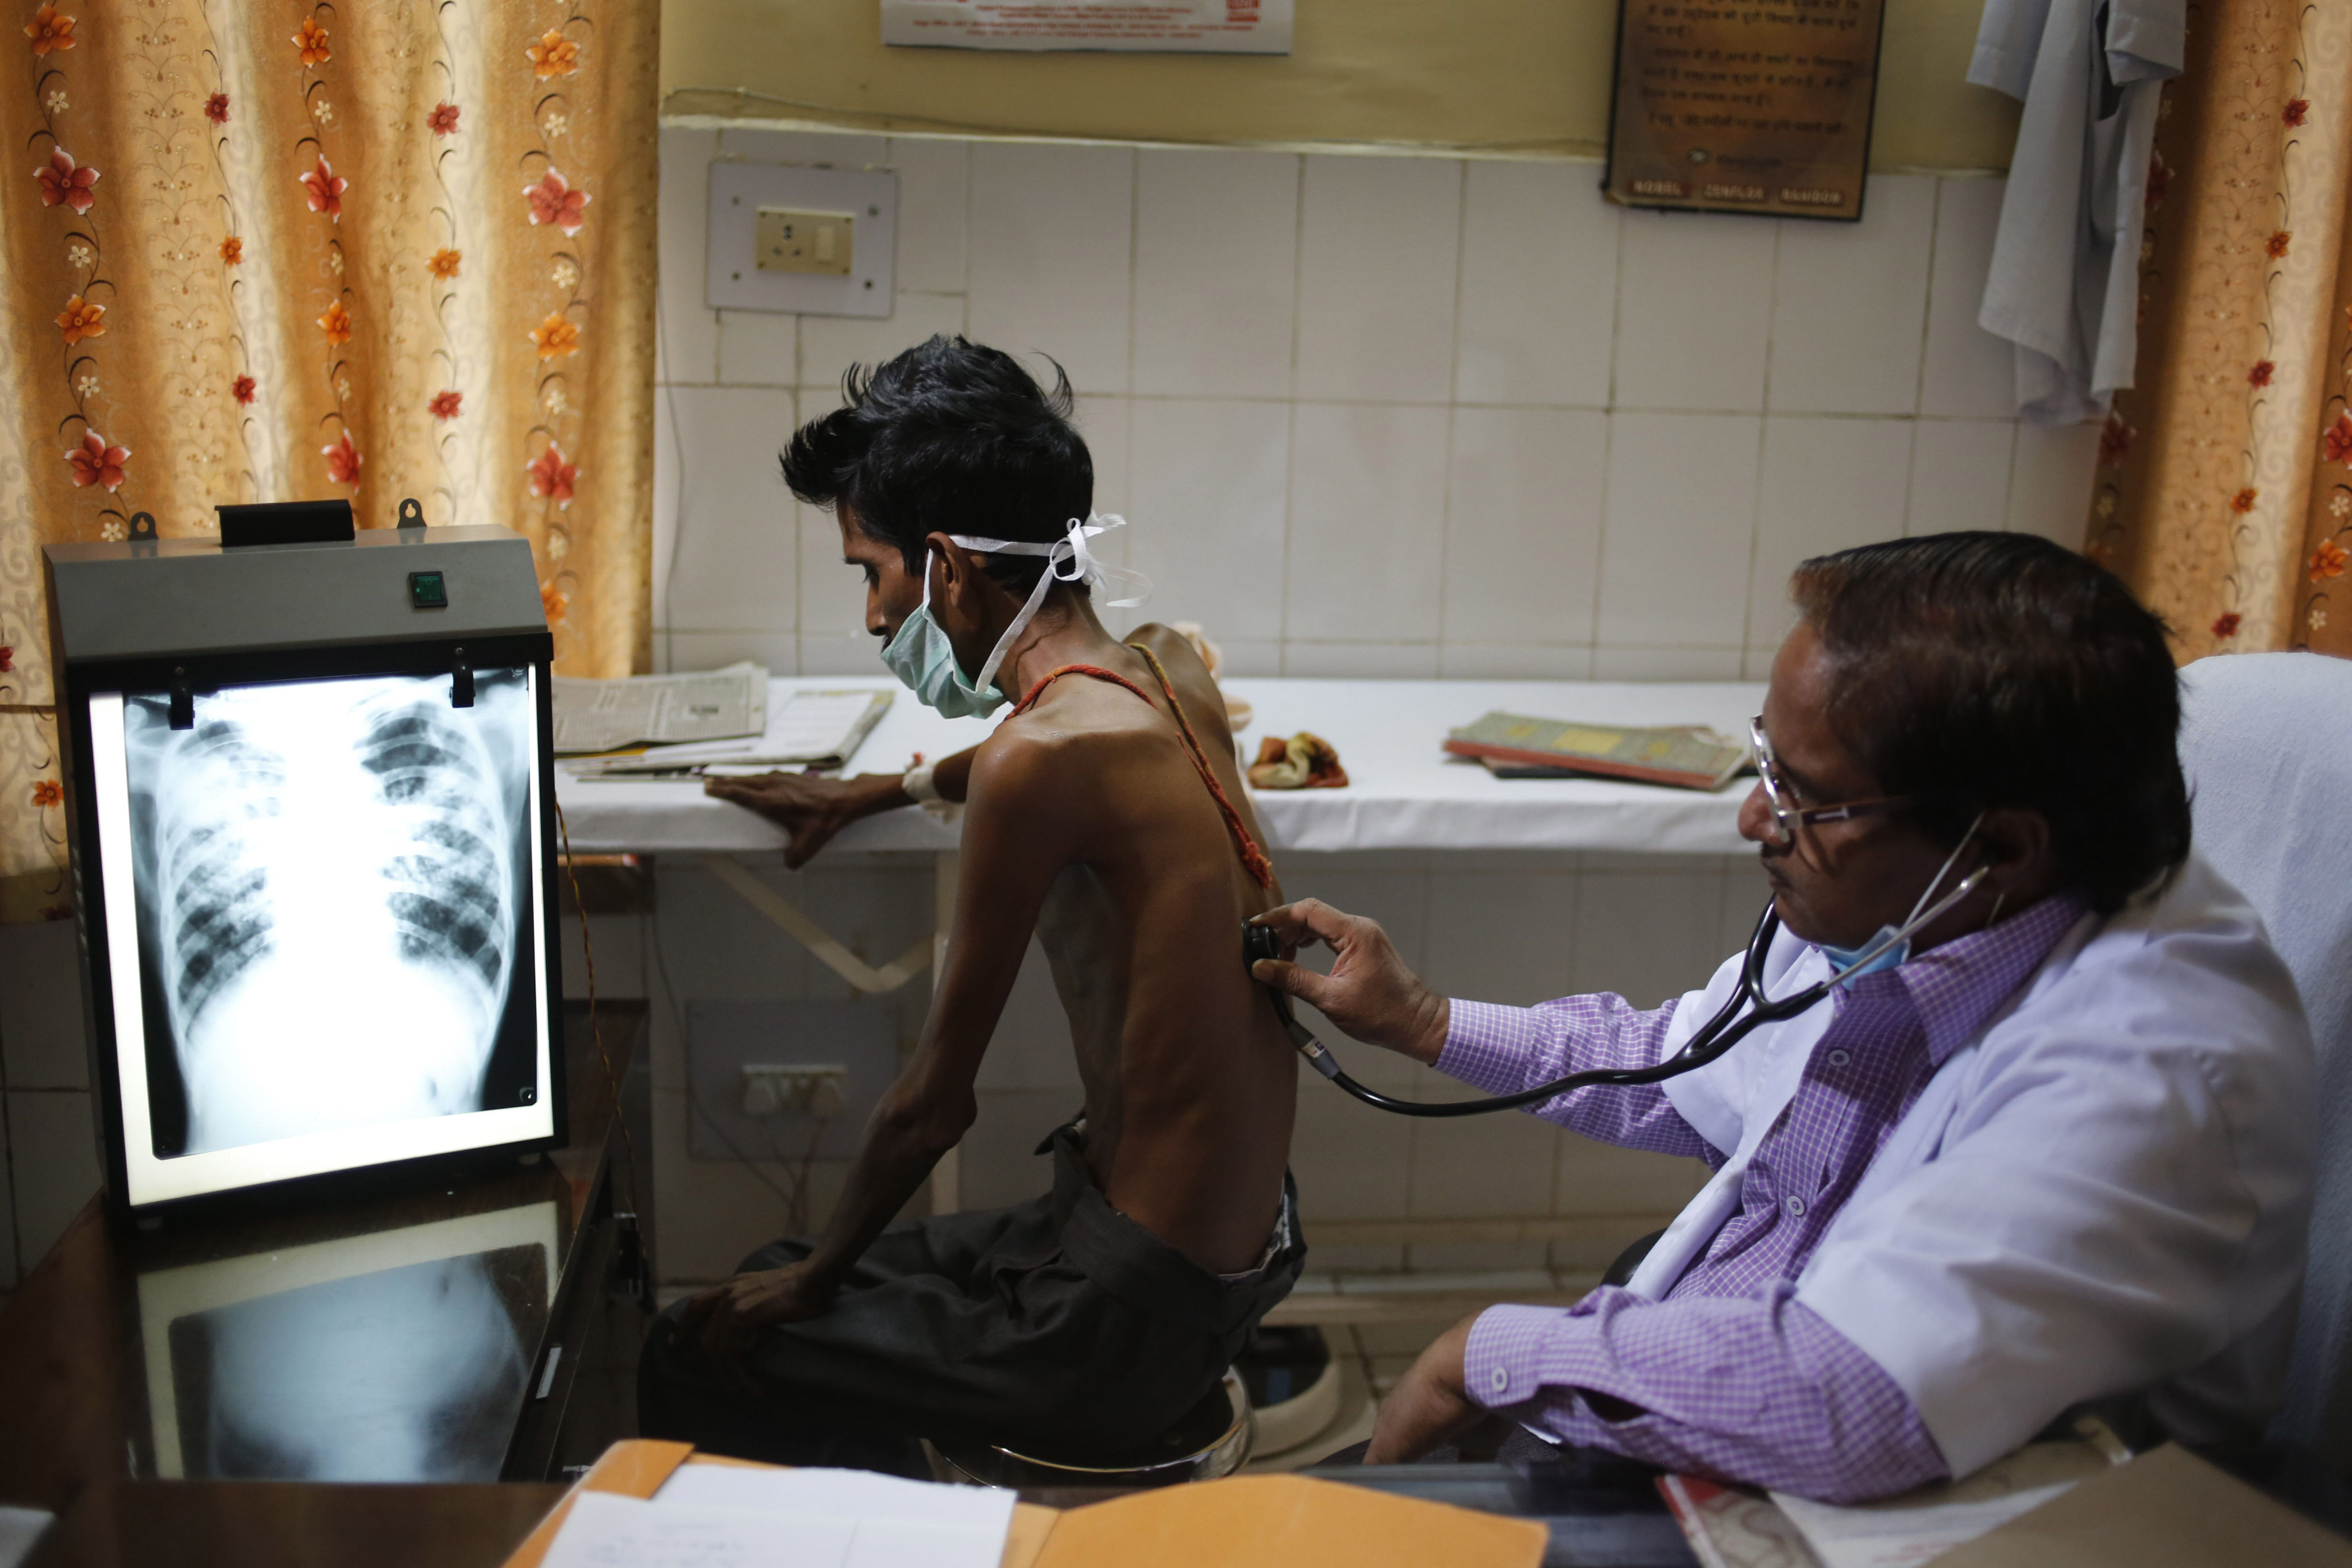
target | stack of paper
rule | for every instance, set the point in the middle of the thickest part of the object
(723, 1516)
(808, 728)
(604, 715)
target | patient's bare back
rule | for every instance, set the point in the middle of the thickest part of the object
(1191, 1087)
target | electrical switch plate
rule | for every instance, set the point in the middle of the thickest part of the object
(816, 243)
(759, 1076)
(769, 245)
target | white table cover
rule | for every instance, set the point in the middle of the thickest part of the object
(1405, 792)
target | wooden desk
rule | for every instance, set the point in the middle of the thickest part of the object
(297, 1525)
(468, 1330)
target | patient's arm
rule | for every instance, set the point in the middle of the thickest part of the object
(813, 808)
(1016, 838)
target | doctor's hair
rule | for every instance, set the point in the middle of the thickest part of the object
(949, 436)
(1979, 670)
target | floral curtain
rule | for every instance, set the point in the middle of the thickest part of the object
(2224, 493)
(273, 250)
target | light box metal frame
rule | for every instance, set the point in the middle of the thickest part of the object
(134, 616)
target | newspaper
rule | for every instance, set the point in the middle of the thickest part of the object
(807, 728)
(707, 705)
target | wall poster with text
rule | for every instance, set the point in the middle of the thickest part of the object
(1761, 107)
(1158, 26)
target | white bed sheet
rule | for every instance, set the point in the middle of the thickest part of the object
(1404, 793)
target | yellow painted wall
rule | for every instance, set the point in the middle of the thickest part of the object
(1502, 76)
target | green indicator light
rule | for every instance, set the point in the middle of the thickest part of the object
(427, 591)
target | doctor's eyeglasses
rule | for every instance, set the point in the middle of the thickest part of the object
(1781, 800)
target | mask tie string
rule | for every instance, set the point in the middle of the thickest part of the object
(1071, 551)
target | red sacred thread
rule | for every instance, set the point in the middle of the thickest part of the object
(1260, 869)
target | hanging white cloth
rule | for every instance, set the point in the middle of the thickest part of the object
(2064, 282)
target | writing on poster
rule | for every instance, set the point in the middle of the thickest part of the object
(1759, 107)
(1185, 27)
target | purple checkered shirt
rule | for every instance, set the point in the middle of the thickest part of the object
(1730, 1376)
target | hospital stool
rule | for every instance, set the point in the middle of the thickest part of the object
(1211, 1440)
(2265, 742)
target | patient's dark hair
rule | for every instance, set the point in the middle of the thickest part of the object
(949, 438)
(1999, 670)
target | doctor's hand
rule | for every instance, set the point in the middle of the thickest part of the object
(1428, 1405)
(728, 1318)
(809, 807)
(1369, 992)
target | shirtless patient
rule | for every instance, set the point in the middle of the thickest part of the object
(1089, 1319)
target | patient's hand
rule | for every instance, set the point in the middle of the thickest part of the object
(809, 807)
(727, 1319)
(1369, 992)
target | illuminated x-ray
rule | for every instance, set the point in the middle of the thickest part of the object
(334, 907)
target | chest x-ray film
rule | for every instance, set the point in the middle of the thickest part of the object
(399, 1356)
(331, 890)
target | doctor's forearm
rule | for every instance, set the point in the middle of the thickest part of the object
(1756, 1389)
(1505, 1049)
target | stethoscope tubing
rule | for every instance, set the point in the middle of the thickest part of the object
(1713, 1039)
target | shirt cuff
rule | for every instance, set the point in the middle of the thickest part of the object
(1489, 1044)
(1500, 1365)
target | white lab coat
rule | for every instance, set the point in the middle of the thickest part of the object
(2104, 1190)
(2064, 282)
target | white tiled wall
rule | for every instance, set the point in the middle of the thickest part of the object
(1468, 404)
(1370, 416)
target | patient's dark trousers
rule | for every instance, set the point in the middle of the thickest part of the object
(1059, 1324)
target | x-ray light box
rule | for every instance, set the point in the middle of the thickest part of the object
(310, 820)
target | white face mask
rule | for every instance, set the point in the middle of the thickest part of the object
(920, 656)
(1897, 952)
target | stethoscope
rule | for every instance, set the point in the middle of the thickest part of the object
(1716, 1036)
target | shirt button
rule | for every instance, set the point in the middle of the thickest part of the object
(1501, 1380)
(1797, 1207)
(1839, 1058)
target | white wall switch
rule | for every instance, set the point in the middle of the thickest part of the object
(817, 242)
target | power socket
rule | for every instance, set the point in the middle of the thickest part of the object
(794, 1089)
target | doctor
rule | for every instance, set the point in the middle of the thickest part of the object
(2056, 1147)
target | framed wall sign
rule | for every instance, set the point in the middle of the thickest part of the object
(1758, 107)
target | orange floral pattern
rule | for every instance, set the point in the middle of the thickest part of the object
(555, 602)
(555, 203)
(242, 389)
(444, 405)
(216, 109)
(312, 43)
(2336, 441)
(336, 323)
(2275, 246)
(50, 31)
(2327, 561)
(554, 55)
(443, 121)
(2226, 626)
(48, 793)
(552, 478)
(555, 337)
(326, 189)
(444, 263)
(97, 463)
(231, 250)
(2243, 502)
(342, 462)
(67, 182)
(81, 320)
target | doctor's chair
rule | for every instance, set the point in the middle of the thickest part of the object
(2266, 741)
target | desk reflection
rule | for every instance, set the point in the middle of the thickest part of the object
(404, 1355)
